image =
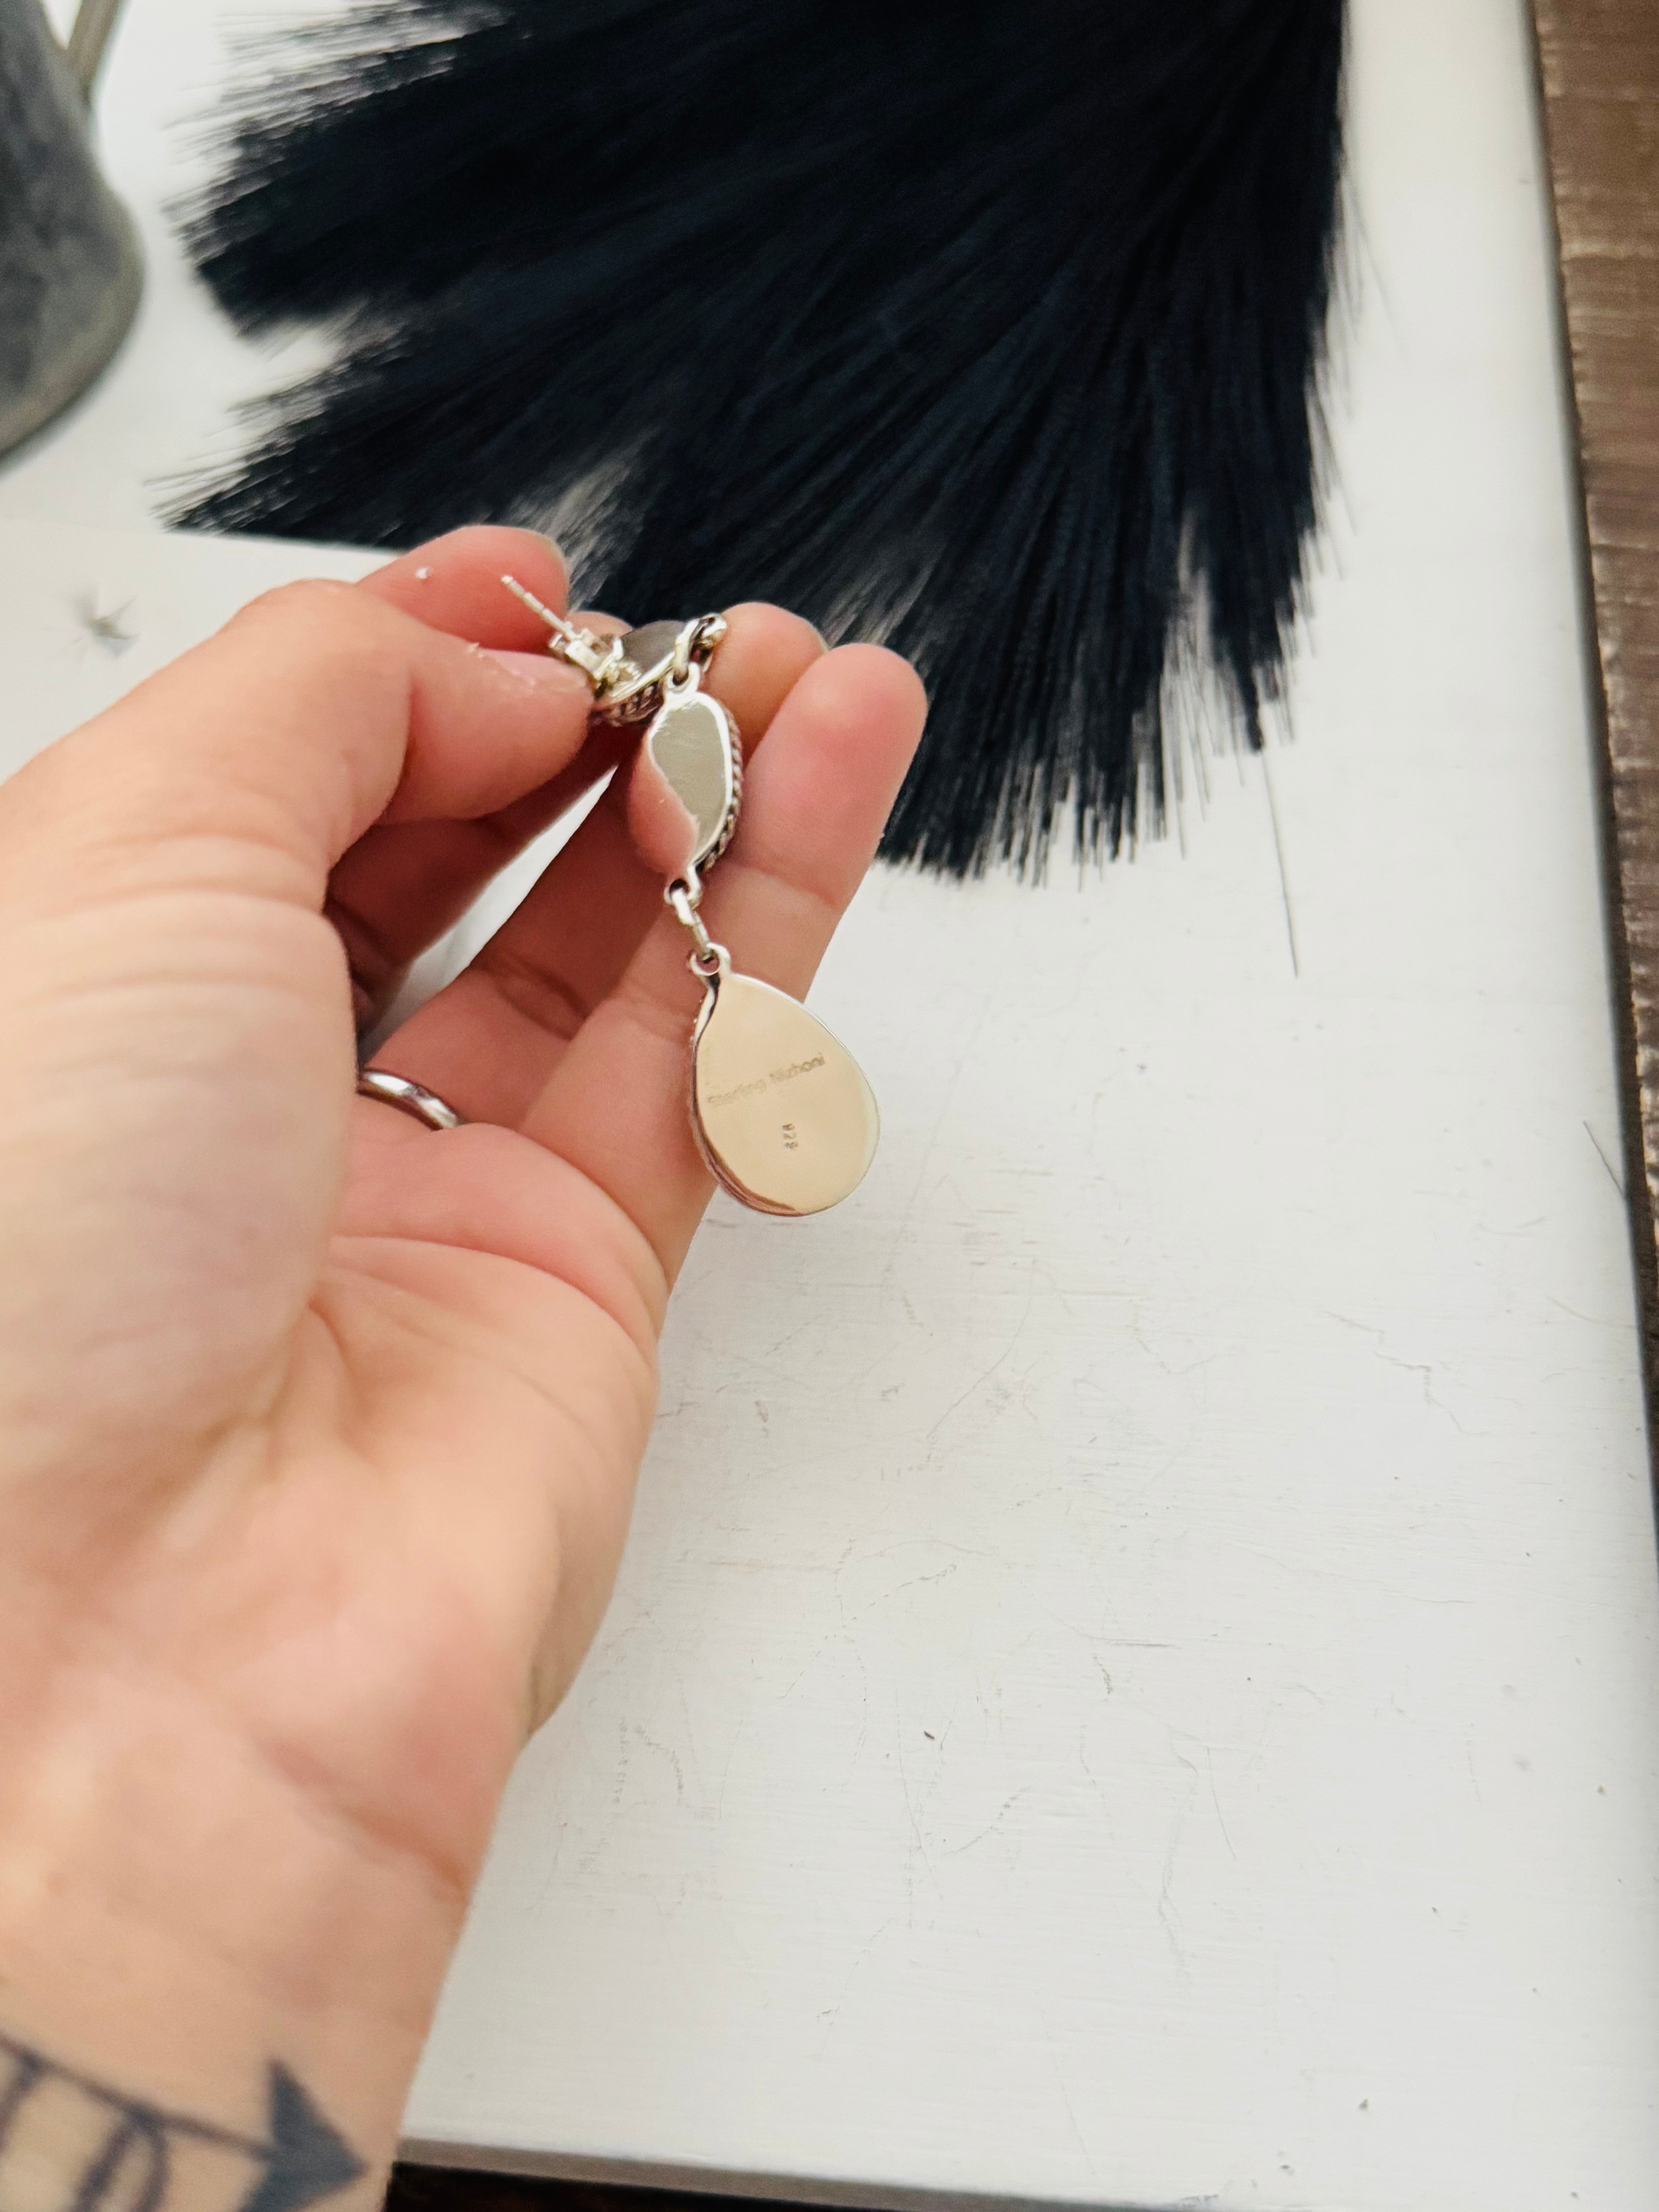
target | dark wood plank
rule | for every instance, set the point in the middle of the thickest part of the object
(1598, 80)
(460, 2189)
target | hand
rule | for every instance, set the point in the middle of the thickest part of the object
(319, 1429)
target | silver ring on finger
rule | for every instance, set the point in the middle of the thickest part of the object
(409, 1097)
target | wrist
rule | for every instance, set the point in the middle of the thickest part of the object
(180, 1913)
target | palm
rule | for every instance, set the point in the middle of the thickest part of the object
(426, 1575)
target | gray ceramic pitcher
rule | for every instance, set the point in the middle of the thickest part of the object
(69, 268)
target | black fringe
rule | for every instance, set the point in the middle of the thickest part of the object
(990, 328)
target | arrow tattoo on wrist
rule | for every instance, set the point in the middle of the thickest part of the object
(120, 2154)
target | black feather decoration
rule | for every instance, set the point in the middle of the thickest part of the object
(991, 328)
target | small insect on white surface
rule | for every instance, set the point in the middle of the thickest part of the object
(106, 631)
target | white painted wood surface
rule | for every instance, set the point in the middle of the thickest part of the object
(1134, 1681)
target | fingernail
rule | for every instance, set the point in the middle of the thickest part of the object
(823, 641)
(553, 548)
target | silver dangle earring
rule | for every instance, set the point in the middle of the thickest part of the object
(780, 1110)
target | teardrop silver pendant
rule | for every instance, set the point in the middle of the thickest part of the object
(780, 1107)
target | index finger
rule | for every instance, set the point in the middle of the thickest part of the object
(317, 711)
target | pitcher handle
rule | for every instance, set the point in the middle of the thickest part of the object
(94, 22)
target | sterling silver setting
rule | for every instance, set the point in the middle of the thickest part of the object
(630, 674)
